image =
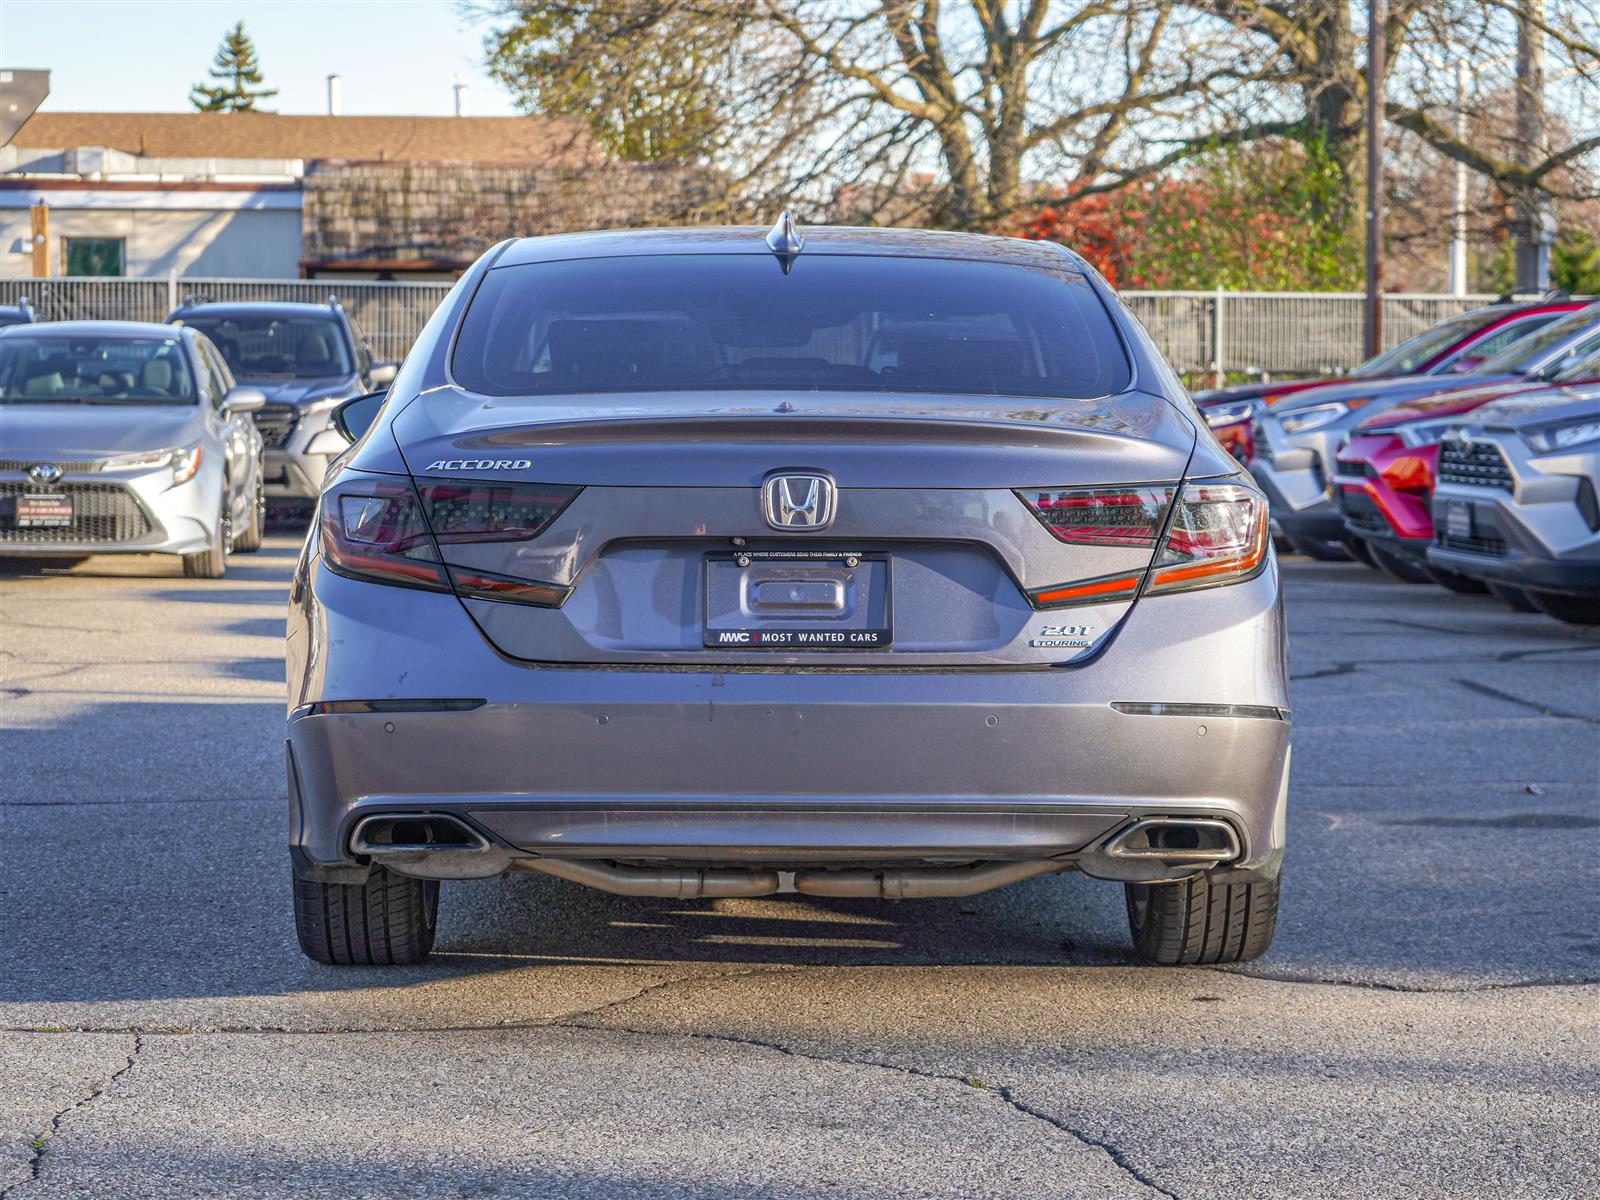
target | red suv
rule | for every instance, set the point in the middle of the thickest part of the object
(1386, 473)
(1453, 345)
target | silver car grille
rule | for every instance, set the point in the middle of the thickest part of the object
(276, 423)
(1476, 464)
(67, 465)
(1492, 547)
(101, 512)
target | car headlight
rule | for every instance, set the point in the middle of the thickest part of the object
(1227, 414)
(1559, 437)
(1426, 433)
(138, 460)
(1318, 416)
(185, 463)
(323, 404)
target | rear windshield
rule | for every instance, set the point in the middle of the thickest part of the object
(47, 368)
(266, 347)
(833, 323)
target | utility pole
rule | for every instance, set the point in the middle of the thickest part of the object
(1377, 18)
(39, 239)
(1533, 221)
(1458, 216)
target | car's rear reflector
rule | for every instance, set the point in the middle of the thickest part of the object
(482, 585)
(1115, 587)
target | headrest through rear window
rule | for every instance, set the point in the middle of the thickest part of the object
(606, 352)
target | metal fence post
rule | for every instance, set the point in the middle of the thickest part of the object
(1218, 325)
(172, 290)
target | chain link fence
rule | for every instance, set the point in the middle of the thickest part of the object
(1206, 335)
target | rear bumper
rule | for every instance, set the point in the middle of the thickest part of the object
(772, 767)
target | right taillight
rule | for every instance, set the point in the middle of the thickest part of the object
(387, 530)
(1218, 534)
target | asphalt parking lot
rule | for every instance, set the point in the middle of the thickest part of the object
(1426, 1024)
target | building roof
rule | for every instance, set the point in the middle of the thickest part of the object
(545, 140)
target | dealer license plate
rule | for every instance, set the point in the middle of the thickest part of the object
(42, 512)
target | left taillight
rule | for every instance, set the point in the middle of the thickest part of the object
(396, 532)
(373, 529)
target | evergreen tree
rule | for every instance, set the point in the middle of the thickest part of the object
(238, 72)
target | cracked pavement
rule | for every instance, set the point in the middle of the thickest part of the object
(1427, 1022)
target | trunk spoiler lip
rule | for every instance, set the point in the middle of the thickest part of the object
(997, 419)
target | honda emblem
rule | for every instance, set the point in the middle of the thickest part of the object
(797, 501)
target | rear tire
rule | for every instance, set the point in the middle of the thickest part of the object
(1197, 921)
(1318, 549)
(1396, 566)
(1574, 610)
(248, 539)
(1358, 548)
(1513, 598)
(1464, 585)
(387, 921)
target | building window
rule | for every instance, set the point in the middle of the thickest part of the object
(94, 256)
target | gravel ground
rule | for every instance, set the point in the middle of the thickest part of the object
(1427, 1023)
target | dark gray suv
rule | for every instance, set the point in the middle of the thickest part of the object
(307, 359)
(723, 562)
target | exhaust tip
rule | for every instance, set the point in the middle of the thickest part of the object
(403, 833)
(1189, 840)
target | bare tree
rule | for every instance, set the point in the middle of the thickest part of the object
(963, 112)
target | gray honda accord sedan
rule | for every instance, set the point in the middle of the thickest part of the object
(841, 562)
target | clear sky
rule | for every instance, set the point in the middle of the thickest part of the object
(394, 56)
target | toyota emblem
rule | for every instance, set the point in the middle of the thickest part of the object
(44, 473)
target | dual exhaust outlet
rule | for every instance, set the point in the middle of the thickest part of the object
(441, 846)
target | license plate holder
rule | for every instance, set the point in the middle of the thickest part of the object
(33, 510)
(1458, 519)
(792, 600)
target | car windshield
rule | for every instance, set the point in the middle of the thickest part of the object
(1581, 369)
(266, 346)
(833, 323)
(1414, 351)
(41, 368)
(1524, 354)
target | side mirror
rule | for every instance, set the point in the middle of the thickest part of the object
(382, 374)
(243, 400)
(1462, 365)
(354, 417)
